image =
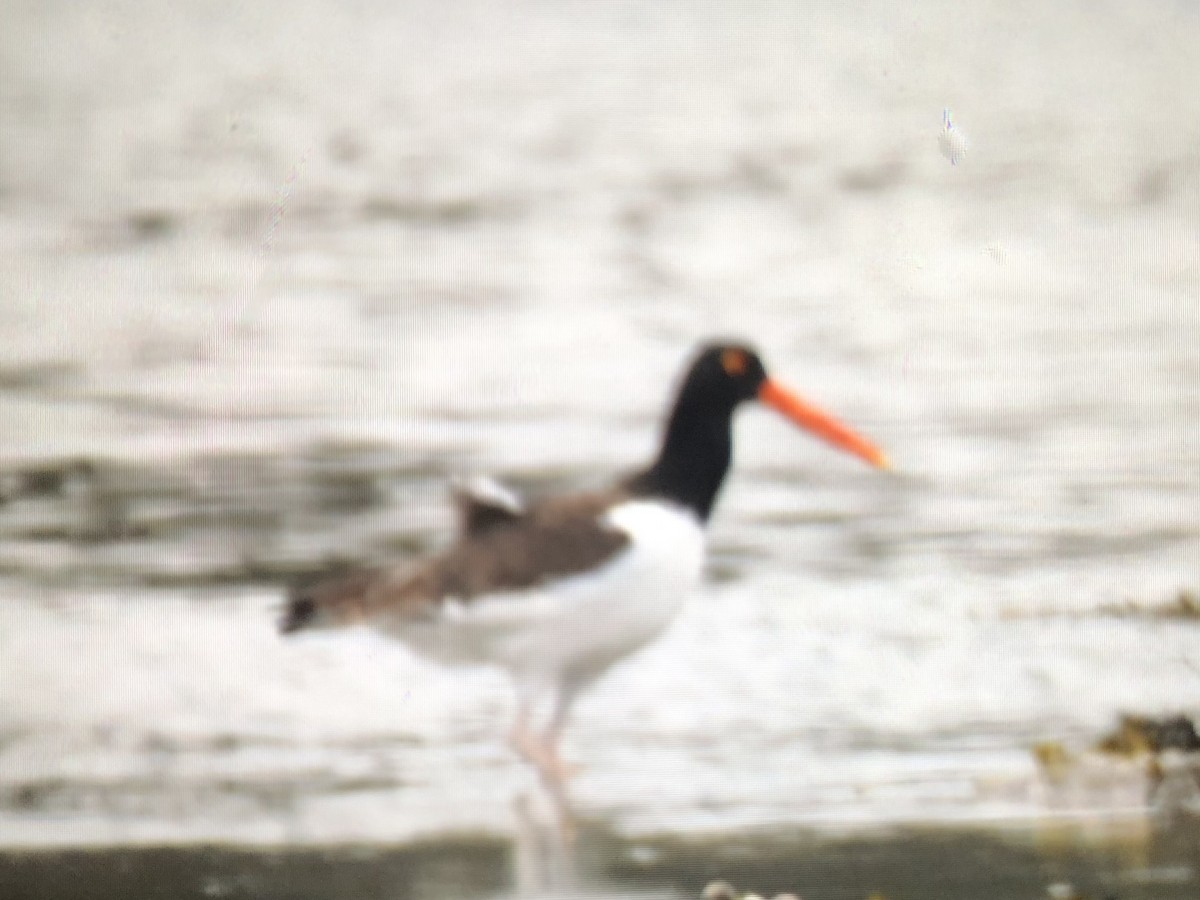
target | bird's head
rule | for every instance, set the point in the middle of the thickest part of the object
(724, 375)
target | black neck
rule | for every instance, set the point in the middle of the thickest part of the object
(694, 458)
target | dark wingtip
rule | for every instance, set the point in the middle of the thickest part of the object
(300, 611)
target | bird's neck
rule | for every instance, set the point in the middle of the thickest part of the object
(695, 455)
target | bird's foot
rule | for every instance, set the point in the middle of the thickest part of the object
(558, 769)
(542, 753)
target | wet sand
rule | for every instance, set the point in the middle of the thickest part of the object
(1132, 863)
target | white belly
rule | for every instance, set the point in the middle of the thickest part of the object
(578, 626)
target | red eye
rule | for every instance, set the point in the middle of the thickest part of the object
(734, 362)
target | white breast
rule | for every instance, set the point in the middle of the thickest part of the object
(580, 625)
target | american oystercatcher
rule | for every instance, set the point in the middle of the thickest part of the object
(557, 591)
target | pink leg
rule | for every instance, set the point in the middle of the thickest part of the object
(541, 750)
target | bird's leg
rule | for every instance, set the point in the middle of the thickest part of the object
(523, 738)
(559, 769)
(563, 699)
(542, 749)
(528, 743)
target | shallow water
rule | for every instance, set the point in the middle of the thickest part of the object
(270, 276)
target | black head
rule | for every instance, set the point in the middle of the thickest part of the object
(697, 447)
(722, 375)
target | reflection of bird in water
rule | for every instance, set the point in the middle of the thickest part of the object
(557, 591)
(544, 859)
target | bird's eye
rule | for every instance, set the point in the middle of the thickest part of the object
(734, 362)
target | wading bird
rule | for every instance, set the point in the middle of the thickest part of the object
(558, 590)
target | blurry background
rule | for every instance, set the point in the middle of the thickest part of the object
(271, 273)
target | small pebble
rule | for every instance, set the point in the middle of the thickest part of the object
(1062, 890)
(719, 890)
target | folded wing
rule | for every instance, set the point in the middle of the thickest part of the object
(502, 547)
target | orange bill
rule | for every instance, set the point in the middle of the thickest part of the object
(820, 423)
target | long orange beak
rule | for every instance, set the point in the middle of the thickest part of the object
(820, 423)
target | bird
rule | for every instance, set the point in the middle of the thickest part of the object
(557, 590)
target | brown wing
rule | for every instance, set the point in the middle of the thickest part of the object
(554, 539)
